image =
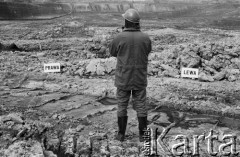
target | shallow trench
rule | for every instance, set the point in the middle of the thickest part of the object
(173, 116)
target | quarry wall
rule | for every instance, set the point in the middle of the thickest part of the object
(17, 9)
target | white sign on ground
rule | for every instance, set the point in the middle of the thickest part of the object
(189, 72)
(52, 67)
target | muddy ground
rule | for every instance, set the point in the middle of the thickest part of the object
(73, 113)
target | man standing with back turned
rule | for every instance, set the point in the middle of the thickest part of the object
(131, 47)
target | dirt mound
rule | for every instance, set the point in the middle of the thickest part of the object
(9, 47)
(215, 60)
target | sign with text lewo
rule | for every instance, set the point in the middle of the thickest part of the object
(52, 67)
(189, 72)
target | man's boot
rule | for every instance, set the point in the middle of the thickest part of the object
(142, 125)
(122, 124)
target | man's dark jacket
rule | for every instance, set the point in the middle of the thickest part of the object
(131, 47)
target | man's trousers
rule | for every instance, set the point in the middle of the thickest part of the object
(138, 99)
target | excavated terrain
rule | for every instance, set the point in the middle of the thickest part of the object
(73, 113)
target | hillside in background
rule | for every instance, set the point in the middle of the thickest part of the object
(198, 13)
(156, 1)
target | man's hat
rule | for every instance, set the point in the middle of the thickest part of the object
(132, 15)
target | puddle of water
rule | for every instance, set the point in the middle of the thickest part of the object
(231, 123)
(194, 119)
(108, 101)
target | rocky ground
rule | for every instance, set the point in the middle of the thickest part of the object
(73, 113)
